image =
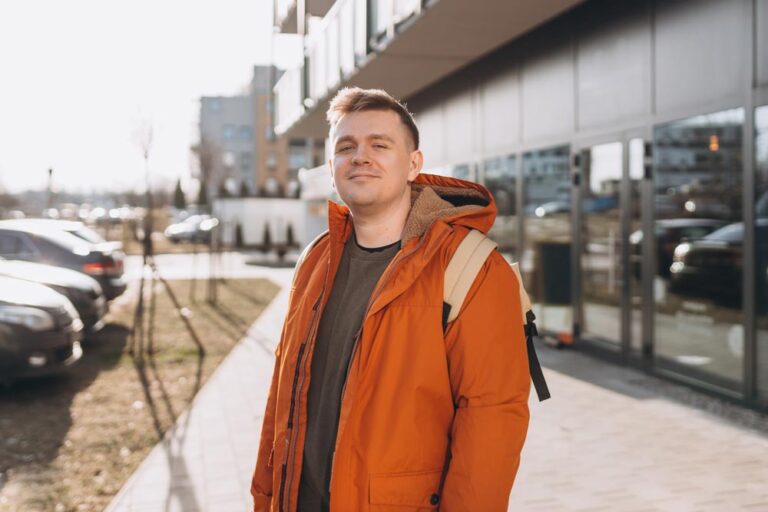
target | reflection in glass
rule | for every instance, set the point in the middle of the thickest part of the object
(697, 290)
(601, 243)
(545, 258)
(499, 176)
(463, 172)
(761, 247)
(636, 173)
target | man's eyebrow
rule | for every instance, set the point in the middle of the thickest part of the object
(345, 138)
(382, 137)
(373, 136)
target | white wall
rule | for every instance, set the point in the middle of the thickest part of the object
(254, 213)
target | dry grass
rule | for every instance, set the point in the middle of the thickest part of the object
(69, 443)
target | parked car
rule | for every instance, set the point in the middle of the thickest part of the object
(712, 267)
(669, 233)
(83, 291)
(195, 228)
(40, 330)
(552, 208)
(35, 241)
(74, 227)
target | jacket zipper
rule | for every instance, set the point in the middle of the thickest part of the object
(376, 294)
(291, 409)
(312, 327)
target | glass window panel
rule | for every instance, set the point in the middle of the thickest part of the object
(500, 179)
(601, 244)
(347, 36)
(761, 247)
(361, 28)
(381, 12)
(545, 261)
(697, 287)
(636, 172)
(463, 172)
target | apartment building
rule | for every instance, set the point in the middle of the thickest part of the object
(226, 135)
(278, 159)
(625, 144)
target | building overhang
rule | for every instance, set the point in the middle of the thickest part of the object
(441, 39)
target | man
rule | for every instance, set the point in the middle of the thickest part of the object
(372, 406)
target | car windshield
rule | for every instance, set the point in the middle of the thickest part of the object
(732, 233)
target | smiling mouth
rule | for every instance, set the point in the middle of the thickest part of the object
(359, 176)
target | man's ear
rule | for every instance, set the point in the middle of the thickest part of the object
(330, 166)
(416, 164)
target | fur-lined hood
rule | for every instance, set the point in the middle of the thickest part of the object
(452, 200)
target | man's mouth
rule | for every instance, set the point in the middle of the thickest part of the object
(360, 175)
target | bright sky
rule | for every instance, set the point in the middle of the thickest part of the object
(78, 77)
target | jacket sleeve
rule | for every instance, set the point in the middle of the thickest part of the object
(490, 381)
(261, 483)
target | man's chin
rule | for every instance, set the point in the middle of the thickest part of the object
(360, 201)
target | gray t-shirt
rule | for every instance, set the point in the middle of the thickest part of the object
(358, 273)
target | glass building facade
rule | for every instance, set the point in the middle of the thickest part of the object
(638, 205)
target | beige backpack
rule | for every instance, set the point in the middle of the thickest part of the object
(465, 263)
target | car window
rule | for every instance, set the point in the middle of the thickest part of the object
(67, 240)
(15, 245)
(10, 245)
(696, 232)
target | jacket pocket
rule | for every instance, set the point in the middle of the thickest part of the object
(417, 490)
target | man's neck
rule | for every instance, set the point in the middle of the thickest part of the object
(384, 227)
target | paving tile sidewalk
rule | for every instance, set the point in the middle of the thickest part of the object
(205, 462)
(610, 439)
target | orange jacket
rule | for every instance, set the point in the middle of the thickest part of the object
(428, 421)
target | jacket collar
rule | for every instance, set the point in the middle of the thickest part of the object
(433, 198)
(437, 205)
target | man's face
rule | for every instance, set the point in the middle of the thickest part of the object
(373, 160)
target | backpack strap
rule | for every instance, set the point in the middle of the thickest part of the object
(462, 269)
(537, 376)
(461, 272)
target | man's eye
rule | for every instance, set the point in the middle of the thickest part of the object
(380, 146)
(344, 148)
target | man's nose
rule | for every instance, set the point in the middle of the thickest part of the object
(361, 156)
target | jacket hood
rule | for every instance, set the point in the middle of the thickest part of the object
(433, 198)
(451, 200)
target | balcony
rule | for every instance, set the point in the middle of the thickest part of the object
(404, 46)
(290, 15)
(288, 99)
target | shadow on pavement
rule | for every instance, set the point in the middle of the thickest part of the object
(142, 350)
(35, 415)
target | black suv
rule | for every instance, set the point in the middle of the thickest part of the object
(40, 330)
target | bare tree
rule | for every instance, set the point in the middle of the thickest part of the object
(143, 136)
(208, 162)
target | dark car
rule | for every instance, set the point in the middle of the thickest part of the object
(83, 291)
(669, 233)
(712, 267)
(40, 330)
(35, 241)
(195, 228)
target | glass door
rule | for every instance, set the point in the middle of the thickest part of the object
(600, 245)
(612, 259)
